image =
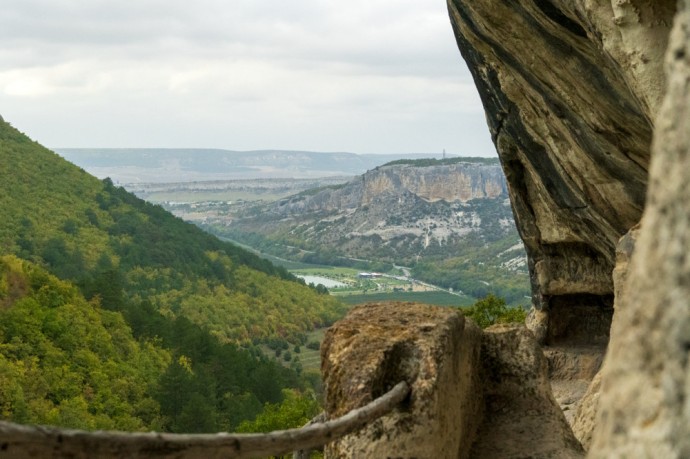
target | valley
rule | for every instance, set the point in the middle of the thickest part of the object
(212, 316)
(448, 222)
(114, 314)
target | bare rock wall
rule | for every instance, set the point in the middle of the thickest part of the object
(570, 89)
(434, 350)
(644, 405)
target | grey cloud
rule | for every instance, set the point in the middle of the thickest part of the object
(224, 69)
(297, 30)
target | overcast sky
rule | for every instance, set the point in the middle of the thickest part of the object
(364, 76)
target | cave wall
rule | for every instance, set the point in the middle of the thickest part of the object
(570, 89)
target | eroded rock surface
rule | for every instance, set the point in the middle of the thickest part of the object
(645, 397)
(432, 348)
(570, 89)
(583, 386)
(474, 394)
(522, 417)
(571, 371)
(585, 417)
(396, 213)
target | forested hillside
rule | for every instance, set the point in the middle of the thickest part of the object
(66, 361)
(119, 247)
(161, 314)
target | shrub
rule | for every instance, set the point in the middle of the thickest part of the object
(493, 310)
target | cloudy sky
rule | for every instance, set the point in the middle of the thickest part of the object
(364, 76)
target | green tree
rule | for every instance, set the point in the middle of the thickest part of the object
(294, 411)
(197, 416)
(67, 354)
(65, 361)
(235, 409)
(174, 388)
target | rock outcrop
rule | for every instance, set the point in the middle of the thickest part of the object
(583, 413)
(474, 394)
(573, 91)
(585, 417)
(570, 89)
(459, 182)
(431, 348)
(401, 213)
(644, 406)
(399, 209)
(522, 418)
(571, 370)
(454, 182)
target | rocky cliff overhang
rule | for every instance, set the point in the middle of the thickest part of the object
(570, 89)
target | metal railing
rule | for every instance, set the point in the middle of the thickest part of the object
(19, 441)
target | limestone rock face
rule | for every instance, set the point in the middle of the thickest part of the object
(645, 397)
(432, 348)
(570, 88)
(586, 414)
(455, 182)
(571, 370)
(586, 409)
(522, 418)
(460, 182)
(399, 213)
(624, 251)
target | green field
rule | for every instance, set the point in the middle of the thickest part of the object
(309, 358)
(326, 271)
(438, 298)
(211, 195)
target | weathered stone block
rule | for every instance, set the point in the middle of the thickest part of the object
(522, 418)
(435, 350)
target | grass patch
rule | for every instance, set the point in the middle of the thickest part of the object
(438, 298)
(310, 358)
(211, 195)
(326, 271)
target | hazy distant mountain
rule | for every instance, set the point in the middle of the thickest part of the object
(178, 165)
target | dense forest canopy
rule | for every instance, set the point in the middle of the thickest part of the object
(117, 246)
(116, 314)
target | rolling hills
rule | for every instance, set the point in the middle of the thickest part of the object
(141, 165)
